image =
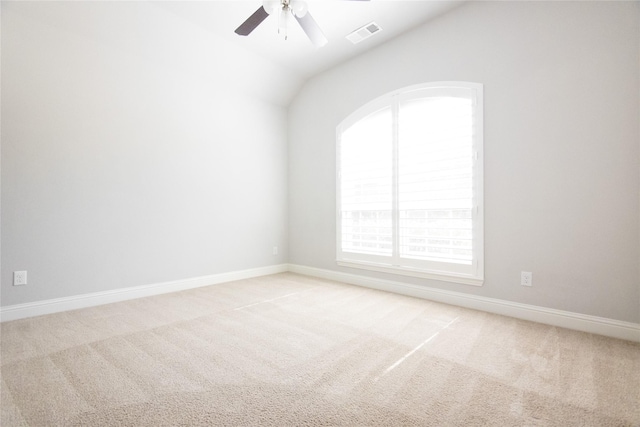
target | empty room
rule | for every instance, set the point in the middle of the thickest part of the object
(321, 212)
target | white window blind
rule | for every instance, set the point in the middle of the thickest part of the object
(410, 183)
(367, 197)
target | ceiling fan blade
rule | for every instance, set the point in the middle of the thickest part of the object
(252, 22)
(312, 29)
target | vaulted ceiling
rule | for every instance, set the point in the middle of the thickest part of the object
(337, 18)
(198, 39)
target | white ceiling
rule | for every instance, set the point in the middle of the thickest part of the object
(337, 18)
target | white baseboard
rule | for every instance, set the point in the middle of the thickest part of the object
(38, 308)
(565, 319)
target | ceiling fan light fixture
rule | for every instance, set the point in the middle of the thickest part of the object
(283, 21)
(299, 7)
(270, 6)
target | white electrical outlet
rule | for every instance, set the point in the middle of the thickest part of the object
(526, 278)
(275, 250)
(19, 278)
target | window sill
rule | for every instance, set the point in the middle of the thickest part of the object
(404, 271)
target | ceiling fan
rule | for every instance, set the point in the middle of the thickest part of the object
(285, 8)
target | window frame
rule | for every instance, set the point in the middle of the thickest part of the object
(471, 275)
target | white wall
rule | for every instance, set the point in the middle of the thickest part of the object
(136, 149)
(562, 137)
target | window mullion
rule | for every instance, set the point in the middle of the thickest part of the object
(395, 213)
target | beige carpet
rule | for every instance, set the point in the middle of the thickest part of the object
(289, 350)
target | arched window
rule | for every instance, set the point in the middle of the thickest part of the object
(410, 183)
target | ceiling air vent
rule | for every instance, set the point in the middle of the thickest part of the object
(363, 32)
